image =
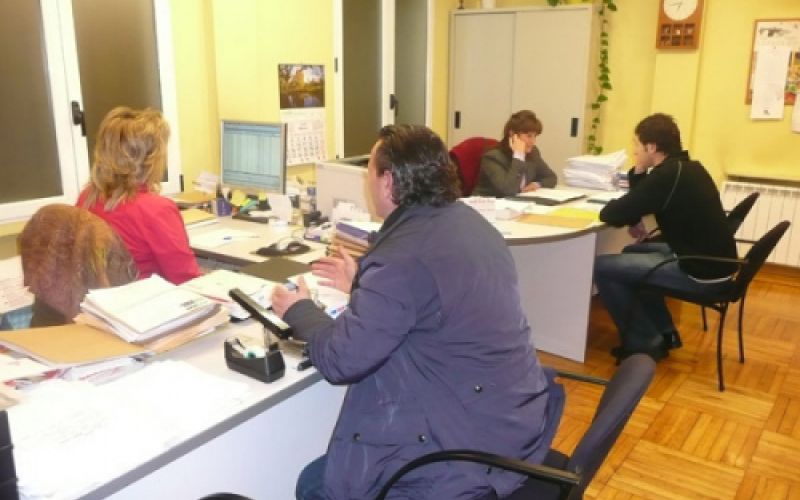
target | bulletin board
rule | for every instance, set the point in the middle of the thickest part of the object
(777, 32)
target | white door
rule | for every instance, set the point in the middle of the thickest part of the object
(552, 49)
(481, 73)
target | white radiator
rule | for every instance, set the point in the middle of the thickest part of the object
(776, 203)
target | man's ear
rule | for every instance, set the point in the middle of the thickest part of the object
(386, 183)
(650, 148)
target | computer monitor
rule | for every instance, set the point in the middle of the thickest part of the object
(253, 156)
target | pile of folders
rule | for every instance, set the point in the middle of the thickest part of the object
(354, 236)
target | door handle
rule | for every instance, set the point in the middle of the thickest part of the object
(78, 117)
(457, 119)
(394, 103)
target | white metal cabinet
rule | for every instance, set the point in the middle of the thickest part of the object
(541, 59)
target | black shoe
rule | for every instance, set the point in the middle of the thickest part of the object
(672, 340)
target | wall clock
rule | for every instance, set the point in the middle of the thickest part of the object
(679, 24)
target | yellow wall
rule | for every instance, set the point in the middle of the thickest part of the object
(227, 52)
(195, 75)
(703, 89)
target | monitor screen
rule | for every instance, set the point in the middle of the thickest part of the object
(253, 156)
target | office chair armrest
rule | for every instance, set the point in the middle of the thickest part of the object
(540, 472)
(643, 280)
(581, 377)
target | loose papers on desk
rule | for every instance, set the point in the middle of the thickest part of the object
(72, 437)
(594, 171)
(147, 308)
(13, 294)
(218, 237)
(333, 301)
(216, 285)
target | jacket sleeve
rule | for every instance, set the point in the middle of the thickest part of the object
(542, 173)
(380, 315)
(647, 196)
(502, 175)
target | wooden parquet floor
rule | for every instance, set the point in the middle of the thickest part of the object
(686, 439)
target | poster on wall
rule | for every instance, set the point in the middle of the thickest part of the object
(772, 34)
(302, 99)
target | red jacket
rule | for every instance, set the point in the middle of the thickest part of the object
(153, 230)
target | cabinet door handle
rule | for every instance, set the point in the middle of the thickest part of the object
(457, 119)
(573, 131)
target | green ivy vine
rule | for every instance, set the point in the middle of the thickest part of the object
(603, 74)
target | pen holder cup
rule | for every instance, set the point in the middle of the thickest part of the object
(267, 369)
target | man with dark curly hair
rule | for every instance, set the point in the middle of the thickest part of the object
(434, 345)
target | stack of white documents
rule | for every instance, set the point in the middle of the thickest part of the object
(595, 171)
(147, 308)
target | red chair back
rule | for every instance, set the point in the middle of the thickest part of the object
(467, 156)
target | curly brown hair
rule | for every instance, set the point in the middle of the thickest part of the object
(419, 161)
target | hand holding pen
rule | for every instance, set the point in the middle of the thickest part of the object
(283, 298)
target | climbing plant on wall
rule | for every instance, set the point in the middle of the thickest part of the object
(603, 74)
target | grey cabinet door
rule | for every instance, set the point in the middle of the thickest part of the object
(481, 72)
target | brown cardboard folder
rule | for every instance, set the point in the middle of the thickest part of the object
(68, 345)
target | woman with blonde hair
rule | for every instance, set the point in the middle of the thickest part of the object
(130, 157)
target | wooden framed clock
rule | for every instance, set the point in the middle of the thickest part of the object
(679, 24)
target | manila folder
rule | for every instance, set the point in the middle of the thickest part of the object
(68, 345)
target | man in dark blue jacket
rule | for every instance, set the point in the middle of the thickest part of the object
(434, 344)
(682, 196)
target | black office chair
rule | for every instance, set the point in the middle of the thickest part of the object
(562, 477)
(736, 291)
(225, 496)
(736, 217)
(8, 473)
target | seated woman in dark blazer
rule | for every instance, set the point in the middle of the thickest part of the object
(515, 165)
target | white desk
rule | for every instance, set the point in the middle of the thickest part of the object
(241, 251)
(554, 266)
(257, 450)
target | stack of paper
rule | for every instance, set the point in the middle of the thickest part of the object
(147, 308)
(355, 236)
(595, 171)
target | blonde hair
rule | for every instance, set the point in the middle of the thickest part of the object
(130, 152)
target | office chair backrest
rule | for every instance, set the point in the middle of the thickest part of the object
(8, 473)
(737, 215)
(619, 400)
(756, 257)
(467, 157)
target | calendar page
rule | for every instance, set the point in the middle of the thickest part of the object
(305, 141)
